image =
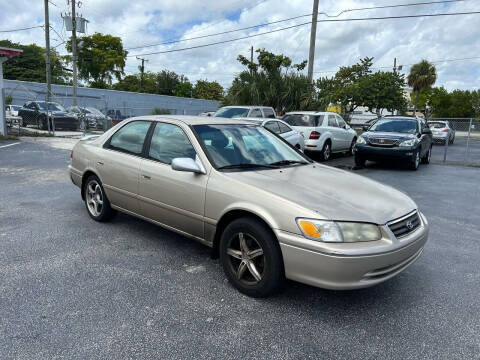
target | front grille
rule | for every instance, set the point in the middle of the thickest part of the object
(405, 225)
(382, 141)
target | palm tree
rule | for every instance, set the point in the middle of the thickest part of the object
(422, 76)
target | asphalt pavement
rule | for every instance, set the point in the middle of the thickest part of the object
(74, 288)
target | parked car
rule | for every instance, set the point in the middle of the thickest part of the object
(441, 130)
(263, 207)
(94, 118)
(116, 115)
(324, 132)
(282, 129)
(12, 110)
(408, 139)
(35, 113)
(246, 111)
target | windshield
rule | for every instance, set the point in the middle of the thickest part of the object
(246, 145)
(397, 125)
(93, 111)
(437, 125)
(15, 107)
(303, 120)
(51, 106)
(231, 112)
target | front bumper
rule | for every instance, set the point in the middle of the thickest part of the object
(369, 152)
(344, 266)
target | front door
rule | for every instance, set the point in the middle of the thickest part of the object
(118, 164)
(174, 198)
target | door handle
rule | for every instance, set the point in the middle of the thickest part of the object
(146, 177)
(100, 162)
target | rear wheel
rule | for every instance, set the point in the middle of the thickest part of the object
(415, 162)
(352, 146)
(251, 258)
(98, 206)
(326, 151)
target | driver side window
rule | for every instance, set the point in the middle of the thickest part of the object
(256, 113)
(170, 142)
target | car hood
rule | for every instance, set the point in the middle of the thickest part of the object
(59, 113)
(335, 194)
(387, 135)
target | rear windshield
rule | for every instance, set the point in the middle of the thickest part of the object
(302, 119)
(437, 125)
(231, 112)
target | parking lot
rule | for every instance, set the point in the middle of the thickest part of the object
(74, 288)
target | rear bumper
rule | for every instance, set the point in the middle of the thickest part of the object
(339, 271)
(369, 152)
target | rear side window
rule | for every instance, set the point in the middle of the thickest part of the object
(269, 113)
(332, 121)
(256, 113)
(283, 128)
(303, 120)
(169, 142)
(131, 137)
(341, 122)
(273, 126)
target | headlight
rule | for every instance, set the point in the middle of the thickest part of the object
(410, 142)
(329, 231)
(361, 140)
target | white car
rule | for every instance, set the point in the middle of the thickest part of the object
(241, 111)
(12, 110)
(282, 129)
(324, 132)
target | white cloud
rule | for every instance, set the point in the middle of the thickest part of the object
(338, 43)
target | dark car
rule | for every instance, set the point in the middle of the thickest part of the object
(94, 118)
(35, 113)
(407, 139)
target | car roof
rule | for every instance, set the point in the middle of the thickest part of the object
(194, 119)
(246, 106)
(397, 117)
(309, 112)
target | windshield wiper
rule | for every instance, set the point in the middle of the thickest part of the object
(246, 166)
(288, 162)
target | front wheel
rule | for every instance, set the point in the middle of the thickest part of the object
(251, 258)
(427, 157)
(359, 161)
(352, 146)
(96, 201)
(415, 162)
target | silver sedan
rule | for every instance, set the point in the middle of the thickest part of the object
(265, 209)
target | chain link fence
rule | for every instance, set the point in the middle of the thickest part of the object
(456, 140)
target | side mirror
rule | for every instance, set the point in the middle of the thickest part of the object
(188, 165)
(426, 131)
(365, 127)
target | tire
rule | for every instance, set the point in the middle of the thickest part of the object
(96, 202)
(415, 161)
(427, 157)
(43, 123)
(326, 151)
(451, 141)
(259, 274)
(359, 161)
(352, 146)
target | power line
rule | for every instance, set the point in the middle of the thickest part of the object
(307, 23)
(173, 41)
(22, 29)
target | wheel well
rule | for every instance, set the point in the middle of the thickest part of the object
(226, 219)
(84, 178)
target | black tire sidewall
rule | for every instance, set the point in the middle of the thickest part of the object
(273, 275)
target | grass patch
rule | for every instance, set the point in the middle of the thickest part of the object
(8, 137)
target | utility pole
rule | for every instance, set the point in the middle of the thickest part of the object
(74, 53)
(47, 61)
(313, 34)
(142, 70)
(394, 65)
(251, 59)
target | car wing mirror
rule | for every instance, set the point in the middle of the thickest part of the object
(187, 165)
(365, 127)
(426, 131)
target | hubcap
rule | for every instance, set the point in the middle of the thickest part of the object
(246, 258)
(94, 198)
(326, 153)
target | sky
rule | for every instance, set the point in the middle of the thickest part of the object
(144, 22)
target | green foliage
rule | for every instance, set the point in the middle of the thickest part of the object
(422, 76)
(128, 83)
(101, 58)
(209, 90)
(184, 89)
(30, 65)
(8, 99)
(456, 104)
(160, 111)
(271, 82)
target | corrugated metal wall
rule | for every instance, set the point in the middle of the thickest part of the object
(129, 103)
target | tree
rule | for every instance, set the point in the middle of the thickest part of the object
(30, 65)
(128, 83)
(209, 90)
(422, 76)
(382, 90)
(184, 89)
(100, 58)
(8, 99)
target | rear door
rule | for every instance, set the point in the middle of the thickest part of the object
(347, 137)
(338, 141)
(174, 198)
(118, 164)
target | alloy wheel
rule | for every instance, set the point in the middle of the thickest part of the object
(246, 258)
(326, 152)
(94, 198)
(417, 159)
